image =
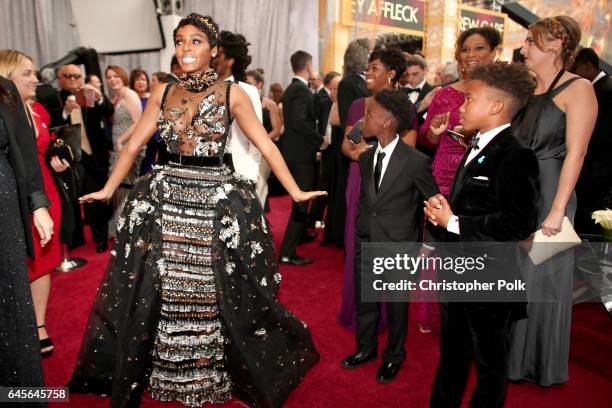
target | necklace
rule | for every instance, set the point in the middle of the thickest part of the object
(198, 82)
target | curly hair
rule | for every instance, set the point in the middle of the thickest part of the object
(398, 104)
(356, 56)
(562, 28)
(236, 47)
(206, 24)
(392, 59)
(512, 80)
(492, 37)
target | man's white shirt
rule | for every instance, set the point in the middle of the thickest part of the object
(245, 156)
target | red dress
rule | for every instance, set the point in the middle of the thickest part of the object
(47, 258)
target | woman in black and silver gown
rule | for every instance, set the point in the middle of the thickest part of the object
(187, 309)
(557, 124)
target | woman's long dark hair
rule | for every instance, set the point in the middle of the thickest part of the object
(6, 97)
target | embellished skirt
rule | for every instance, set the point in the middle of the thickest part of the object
(187, 308)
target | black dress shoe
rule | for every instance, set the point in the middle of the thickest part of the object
(387, 372)
(101, 247)
(358, 359)
(295, 260)
(308, 236)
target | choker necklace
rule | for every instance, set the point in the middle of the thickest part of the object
(198, 82)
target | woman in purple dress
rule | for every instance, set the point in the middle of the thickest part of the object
(474, 47)
(385, 67)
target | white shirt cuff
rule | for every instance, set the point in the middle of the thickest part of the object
(453, 225)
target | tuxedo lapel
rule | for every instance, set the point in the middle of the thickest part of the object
(394, 168)
(458, 175)
(465, 172)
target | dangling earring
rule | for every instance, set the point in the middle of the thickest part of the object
(389, 80)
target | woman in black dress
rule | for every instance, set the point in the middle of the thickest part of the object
(21, 197)
(557, 124)
(187, 308)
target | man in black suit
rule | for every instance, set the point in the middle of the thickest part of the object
(493, 199)
(595, 182)
(94, 143)
(396, 178)
(300, 144)
(324, 167)
(413, 81)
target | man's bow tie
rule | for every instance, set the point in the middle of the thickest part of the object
(474, 142)
(411, 90)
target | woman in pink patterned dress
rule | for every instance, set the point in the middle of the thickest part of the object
(474, 47)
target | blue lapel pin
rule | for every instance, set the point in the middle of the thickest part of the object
(481, 159)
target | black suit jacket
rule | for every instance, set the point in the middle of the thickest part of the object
(93, 119)
(323, 105)
(597, 169)
(300, 141)
(23, 157)
(350, 88)
(495, 196)
(395, 213)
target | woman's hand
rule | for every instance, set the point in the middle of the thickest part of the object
(58, 165)
(102, 195)
(302, 196)
(43, 224)
(426, 101)
(439, 123)
(552, 223)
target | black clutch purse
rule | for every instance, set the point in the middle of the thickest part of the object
(67, 143)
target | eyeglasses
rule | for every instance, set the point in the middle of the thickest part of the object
(72, 76)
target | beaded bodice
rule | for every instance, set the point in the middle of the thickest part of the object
(195, 123)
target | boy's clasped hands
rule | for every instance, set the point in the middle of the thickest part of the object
(438, 210)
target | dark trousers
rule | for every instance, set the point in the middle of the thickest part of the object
(368, 316)
(323, 173)
(97, 214)
(472, 331)
(296, 227)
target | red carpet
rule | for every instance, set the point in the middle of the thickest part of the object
(313, 293)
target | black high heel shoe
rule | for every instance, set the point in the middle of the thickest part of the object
(45, 343)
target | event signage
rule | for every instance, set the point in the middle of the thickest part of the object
(476, 17)
(401, 16)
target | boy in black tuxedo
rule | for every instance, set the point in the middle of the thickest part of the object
(395, 179)
(493, 199)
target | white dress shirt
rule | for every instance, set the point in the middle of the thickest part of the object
(245, 155)
(599, 76)
(483, 141)
(305, 82)
(388, 150)
(415, 95)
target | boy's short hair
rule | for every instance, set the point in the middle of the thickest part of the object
(513, 80)
(416, 60)
(398, 104)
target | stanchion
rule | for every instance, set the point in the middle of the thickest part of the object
(69, 264)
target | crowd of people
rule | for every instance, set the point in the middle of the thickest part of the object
(175, 168)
